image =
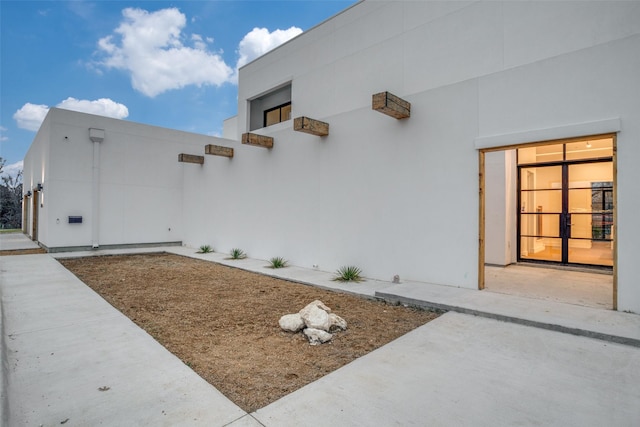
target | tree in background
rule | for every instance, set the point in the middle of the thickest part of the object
(10, 199)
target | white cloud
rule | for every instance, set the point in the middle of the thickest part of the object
(159, 55)
(260, 41)
(198, 42)
(101, 107)
(149, 46)
(2, 131)
(13, 169)
(30, 116)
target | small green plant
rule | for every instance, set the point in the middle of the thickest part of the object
(237, 254)
(277, 262)
(205, 249)
(348, 273)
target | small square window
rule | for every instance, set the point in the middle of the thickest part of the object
(278, 114)
(270, 108)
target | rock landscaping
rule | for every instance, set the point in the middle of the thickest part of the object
(223, 322)
(316, 321)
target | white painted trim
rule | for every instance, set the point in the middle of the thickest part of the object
(548, 134)
(279, 84)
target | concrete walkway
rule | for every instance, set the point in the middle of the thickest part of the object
(15, 241)
(69, 355)
(63, 346)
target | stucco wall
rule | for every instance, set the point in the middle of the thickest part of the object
(401, 197)
(393, 197)
(500, 205)
(35, 170)
(377, 194)
(141, 180)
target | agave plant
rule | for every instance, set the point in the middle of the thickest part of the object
(348, 273)
(278, 262)
(205, 249)
(237, 254)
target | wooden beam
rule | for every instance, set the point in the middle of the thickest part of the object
(482, 220)
(190, 158)
(257, 140)
(311, 126)
(614, 137)
(391, 105)
(218, 150)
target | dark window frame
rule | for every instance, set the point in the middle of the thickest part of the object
(279, 108)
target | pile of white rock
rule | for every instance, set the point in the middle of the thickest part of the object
(316, 322)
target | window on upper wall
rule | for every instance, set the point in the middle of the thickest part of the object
(277, 114)
(271, 108)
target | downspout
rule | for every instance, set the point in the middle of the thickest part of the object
(96, 136)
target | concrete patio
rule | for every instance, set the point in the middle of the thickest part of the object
(70, 357)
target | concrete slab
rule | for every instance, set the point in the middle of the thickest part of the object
(541, 312)
(106, 252)
(63, 346)
(589, 289)
(16, 241)
(587, 321)
(70, 356)
(467, 371)
(313, 277)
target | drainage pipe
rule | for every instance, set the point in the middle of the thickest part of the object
(96, 136)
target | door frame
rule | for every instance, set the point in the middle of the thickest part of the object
(564, 235)
(482, 200)
(34, 215)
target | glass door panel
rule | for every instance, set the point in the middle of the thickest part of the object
(589, 149)
(540, 210)
(541, 178)
(540, 225)
(540, 154)
(545, 249)
(590, 208)
(566, 202)
(591, 252)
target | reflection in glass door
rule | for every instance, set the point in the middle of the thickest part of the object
(566, 204)
(590, 215)
(540, 213)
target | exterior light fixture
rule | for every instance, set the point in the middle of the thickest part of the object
(40, 187)
(28, 194)
(588, 144)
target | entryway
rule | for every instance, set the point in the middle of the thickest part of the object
(565, 195)
(550, 205)
(572, 286)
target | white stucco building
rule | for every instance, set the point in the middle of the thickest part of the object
(104, 182)
(521, 144)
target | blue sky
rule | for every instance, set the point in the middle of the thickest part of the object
(170, 64)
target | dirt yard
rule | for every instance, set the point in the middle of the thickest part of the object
(223, 322)
(23, 252)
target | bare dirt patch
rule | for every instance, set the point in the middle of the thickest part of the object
(22, 252)
(223, 322)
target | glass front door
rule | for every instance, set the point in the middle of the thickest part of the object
(566, 204)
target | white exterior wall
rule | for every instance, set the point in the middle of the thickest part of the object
(230, 128)
(401, 197)
(35, 167)
(392, 197)
(141, 180)
(501, 204)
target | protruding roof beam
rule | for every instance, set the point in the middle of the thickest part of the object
(190, 158)
(391, 105)
(257, 140)
(311, 126)
(218, 150)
